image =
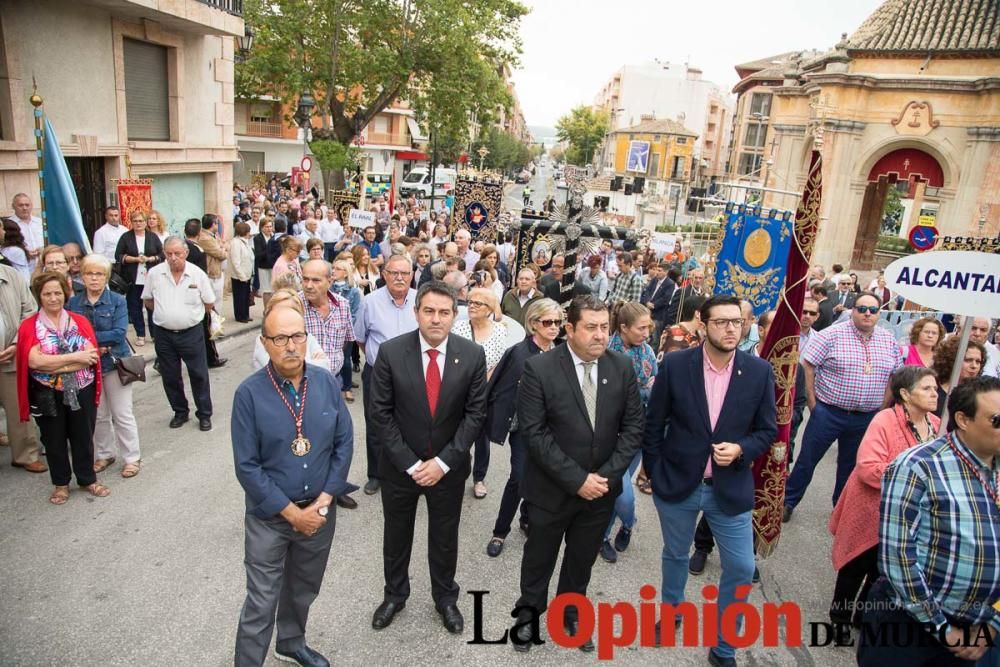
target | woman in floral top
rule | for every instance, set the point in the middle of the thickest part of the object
(632, 324)
(688, 332)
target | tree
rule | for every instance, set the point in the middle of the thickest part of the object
(334, 157)
(444, 56)
(506, 152)
(582, 129)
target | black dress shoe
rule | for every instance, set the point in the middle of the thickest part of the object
(608, 552)
(205, 424)
(347, 502)
(357, 368)
(305, 656)
(384, 614)
(572, 628)
(219, 363)
(452, 619)
(178, 421)
(756, 576)
(495, 547)
(623, 538)
(372, 486)
(354, 385)
(523, 635)
(696, 565)
(718, 661)
(786, 514)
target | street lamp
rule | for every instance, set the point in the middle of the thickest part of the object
(303, 114)
(483, 152)
(245, 43)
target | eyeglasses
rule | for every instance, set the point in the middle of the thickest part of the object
(812, 313)
(995, 421)
(867, 309)
(549, 323)
(736, 323)
(281, 340)
(397, 274)
(478, 304)
(57, 262)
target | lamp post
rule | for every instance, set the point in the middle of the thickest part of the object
(245, 44)
(482, 152)
(303, 115)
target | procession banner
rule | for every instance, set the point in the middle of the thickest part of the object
(477, 206)
(343, 202)
(751, 262)
(62, 221)
(781, 349)
(134, 194)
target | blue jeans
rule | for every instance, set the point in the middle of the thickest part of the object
(733, 534)
(625, 503)
(346, 372)
(826, 424)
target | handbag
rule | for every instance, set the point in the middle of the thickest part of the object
(130, 369)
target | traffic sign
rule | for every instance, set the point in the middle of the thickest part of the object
(307, 163)
(923, 237)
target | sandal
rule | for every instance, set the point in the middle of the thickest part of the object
(130, 470)
(60, 495)
(140, 342)
(97, 490)
(348, 396)
(644, 484)
(100, 465)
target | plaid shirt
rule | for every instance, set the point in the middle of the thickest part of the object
(838, 355)
(628, 287)
(332, 331)
(939, 535)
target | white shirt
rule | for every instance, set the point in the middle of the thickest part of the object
(524, 299)
(425, 360)
(470, 257)
(254, 227)
(178, 305)
(330, 231)
(31, 231)
(106, 240)
(992, 365)
(140, 271)
(578, 366)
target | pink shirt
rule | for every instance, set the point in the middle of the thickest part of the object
(716, 385)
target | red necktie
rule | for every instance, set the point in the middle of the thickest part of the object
(433, 380)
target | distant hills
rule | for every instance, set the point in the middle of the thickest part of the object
(543, 133)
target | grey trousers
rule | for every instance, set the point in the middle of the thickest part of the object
(284, 573)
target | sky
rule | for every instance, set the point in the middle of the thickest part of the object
(572, 47)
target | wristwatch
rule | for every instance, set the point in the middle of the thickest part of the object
(324, 510)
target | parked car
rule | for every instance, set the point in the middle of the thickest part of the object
(418, 182)
(523, 177)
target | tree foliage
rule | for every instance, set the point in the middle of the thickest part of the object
(334, 157)
(443, 56)
(582, 129)
(506, 153)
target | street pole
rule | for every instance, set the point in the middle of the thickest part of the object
(433, 169)
(956, 368)
(677, 200)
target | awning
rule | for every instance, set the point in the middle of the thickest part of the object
(415, 131)
(411, 155)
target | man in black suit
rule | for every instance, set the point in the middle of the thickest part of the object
(843, 298)
(196, 256)
(657, 296)
(711, 414)
(428, 404)
(578, 409)
(695, 287)
(826, 316)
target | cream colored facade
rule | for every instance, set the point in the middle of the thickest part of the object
(75, 51)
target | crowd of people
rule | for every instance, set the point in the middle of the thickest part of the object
(632, 377)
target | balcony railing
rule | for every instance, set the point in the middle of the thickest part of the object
(388, 139)
(234, 7)
(261, 129)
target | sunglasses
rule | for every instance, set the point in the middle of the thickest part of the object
(867, 309)
(550, 323)
(812, 313)
(995, 421)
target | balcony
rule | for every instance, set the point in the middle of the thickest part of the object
(263, 129)
(234, 7)
(388, 139)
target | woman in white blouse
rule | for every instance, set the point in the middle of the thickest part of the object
(484, 326)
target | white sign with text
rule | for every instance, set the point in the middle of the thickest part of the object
(952, 281)
(361, 219)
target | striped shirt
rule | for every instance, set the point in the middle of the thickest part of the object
(851, 372)
(939, 535)
(332, 331)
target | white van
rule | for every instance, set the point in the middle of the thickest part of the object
(418, 182)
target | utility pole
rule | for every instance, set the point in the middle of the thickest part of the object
(433, 169)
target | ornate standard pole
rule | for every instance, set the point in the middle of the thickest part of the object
(36, 101)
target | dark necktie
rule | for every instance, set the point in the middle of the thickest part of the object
(433, 381)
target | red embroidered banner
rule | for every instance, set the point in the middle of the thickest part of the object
(134, 194)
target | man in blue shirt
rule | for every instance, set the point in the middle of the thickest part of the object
(292, 446)
(373, 246)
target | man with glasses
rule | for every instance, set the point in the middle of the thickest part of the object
(847, 369)
(385, 313)
(938, 542)
(843, 298)
(695, 287)
(810, 311)
(981, 327)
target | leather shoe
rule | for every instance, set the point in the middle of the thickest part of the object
(34, 466)
(384, 614)
(305, 656)
(523, 635)
(178, 421)
(696, 565)
(717, 660)
(608, 552)
(756, 576)
(495, 547)
(452, 619)
(623, 538)
(347, 502)
(372, 486)
(786, 514)
(205, 424)
(572, 628)
(219, 363)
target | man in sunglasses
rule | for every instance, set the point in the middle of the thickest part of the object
(938, 541)
(847, 368)
(810, 311)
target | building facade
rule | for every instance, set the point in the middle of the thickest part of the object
(140, 87)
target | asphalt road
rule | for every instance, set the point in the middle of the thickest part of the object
(541, 186)
(153, 574)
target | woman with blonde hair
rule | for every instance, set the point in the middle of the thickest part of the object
(367, 272)
(288, 262)
(241, 262)
(288, 298)
(157, 224)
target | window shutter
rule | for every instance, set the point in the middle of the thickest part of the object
(146, 98)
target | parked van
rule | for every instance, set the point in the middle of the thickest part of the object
(418, 182)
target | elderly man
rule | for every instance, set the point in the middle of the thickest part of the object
(459, 283)
(328, 319)
(695, 287)
(289, 520)
(107, 235)
(938, 542)
(551, 283)
(16, 304)
(463, 238)
(981, 327)
(385, 313)
(179, 294)
(749, 334)
(516, 301)
(31, 227)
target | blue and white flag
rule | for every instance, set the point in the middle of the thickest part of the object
(751, 262)
(60, 210)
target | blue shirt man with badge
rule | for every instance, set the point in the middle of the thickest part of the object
(292, 447)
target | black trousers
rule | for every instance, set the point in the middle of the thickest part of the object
(581, 525)
(854, 582)
(444, 512)
(371, 442)
(71, 431)
(211, 353)
(188, 346)
(481, 456)
(241, 300)
(512, 490)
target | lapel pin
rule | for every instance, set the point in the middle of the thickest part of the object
(604, 381)
(739, 372)
(456, 361)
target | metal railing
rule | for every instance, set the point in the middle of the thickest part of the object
(387, 138)
(261, 129)
(234, 7)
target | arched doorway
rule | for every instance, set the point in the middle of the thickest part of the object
(910, 171)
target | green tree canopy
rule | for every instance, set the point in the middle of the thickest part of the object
(582, 129)
(506, 153)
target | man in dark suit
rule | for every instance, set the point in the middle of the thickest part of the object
(428, 404)
(843, 298)
(579, 411)
(196, 256)
(700, 443)
(657, 296)
(826, 315)
(695, 287)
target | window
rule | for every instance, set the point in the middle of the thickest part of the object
(749, 163)
(677, 170)
(147, 109)
(760, 103)
(755, 136)
(654, 165)
(261, 112)
(682, 140)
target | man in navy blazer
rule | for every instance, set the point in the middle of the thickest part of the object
(711, 413)
(657, 294)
